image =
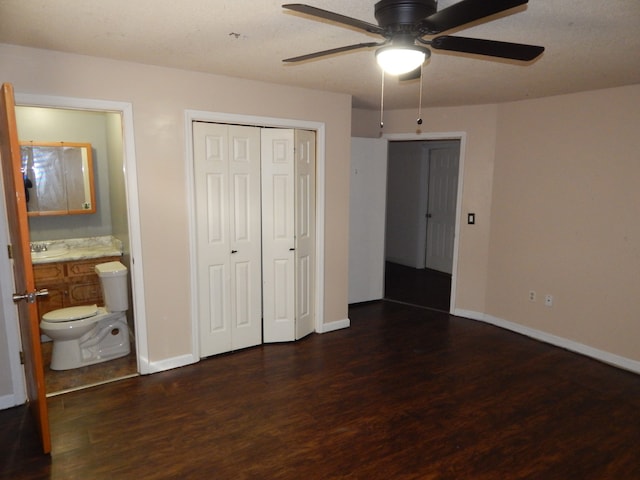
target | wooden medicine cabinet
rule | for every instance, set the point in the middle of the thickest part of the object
(58, 178)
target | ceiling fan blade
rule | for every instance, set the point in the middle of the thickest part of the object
(464, 12)
(491, 48)
(334, 17)
(332, 51)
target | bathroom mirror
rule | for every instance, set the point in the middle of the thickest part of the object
(58, 178)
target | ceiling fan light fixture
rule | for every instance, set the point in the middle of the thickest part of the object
(396, 60)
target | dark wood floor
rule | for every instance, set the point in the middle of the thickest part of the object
(405, 393)
(423, 287)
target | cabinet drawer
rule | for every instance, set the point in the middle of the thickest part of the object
(48, 272)
(86, 267)
(69, 283)
(84, 293)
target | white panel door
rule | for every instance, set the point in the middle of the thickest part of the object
(367, 210)
(245, 237)
(441, 221)
(227, 176)
(305, 221)
(278, 242)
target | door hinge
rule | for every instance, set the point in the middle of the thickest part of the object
(21, 358)
(10, 251)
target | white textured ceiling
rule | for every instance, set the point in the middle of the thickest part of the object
(590, 44)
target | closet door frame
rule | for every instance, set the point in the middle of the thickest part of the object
(255, 121)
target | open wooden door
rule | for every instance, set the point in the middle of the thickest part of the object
(22, 270)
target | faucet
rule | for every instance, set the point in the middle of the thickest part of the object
(38, 247)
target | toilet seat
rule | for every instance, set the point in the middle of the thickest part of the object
(69, 314)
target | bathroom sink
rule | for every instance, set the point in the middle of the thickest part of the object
(58, 252)
(75, 249)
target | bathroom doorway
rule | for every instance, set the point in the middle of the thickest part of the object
(104, 131)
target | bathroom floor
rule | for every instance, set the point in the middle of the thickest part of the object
(61, 381)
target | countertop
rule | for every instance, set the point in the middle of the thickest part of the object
(74, 249)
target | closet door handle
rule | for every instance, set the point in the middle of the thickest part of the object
(234, 251)
(291, 249)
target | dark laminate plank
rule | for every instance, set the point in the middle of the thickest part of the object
(405, 393)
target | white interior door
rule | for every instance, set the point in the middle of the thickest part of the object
(441, 216)
(367, 210)
(227, 177)
(244, 228)
(278, 235)
(305, 234)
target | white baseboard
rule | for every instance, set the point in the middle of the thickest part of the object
(8, 401)
(183, 360)
(337, 325)
(170, 363)
(600, 355)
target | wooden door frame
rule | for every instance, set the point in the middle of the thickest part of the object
(462, 138)
(255, 121)
(131, 187)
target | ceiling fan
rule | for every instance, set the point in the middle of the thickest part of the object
(404, 23)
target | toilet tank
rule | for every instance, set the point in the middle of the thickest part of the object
(113, 280)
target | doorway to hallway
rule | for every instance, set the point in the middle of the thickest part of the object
(422, 191)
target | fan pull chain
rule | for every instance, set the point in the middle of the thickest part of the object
(382, 102)
(419, 121)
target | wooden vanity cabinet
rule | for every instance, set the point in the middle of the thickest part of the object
(69, 283)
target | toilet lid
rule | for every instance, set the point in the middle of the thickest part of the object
(71, 313)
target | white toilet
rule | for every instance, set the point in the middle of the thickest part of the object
(89, 334)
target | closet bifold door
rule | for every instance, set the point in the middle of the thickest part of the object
(227, 191)
(305, 231)
(278, 240)
(288, 233)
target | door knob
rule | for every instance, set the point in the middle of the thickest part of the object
(234, 251)
(31, 296)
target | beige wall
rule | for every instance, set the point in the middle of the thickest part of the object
(159, 97)
(554, 184)
(565, 218)
(479, 126)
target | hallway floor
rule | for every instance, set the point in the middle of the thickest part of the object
(422, 287)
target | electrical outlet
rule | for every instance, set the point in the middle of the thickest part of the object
(548, 300)
(532, 295)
